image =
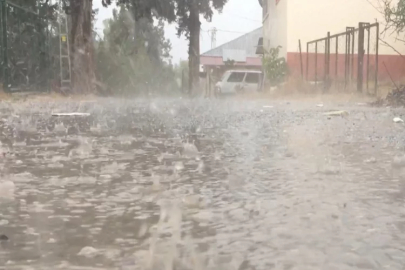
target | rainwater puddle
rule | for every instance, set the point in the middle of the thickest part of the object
(200, 185)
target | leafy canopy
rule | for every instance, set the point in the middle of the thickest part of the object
(395, 15)
(123, 71)
(171, 10)
(205, 7)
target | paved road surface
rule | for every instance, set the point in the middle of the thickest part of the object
(201, 185)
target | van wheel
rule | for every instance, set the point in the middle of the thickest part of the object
(217, 92)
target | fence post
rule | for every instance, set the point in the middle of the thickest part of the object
(327, 61)
(360, 55)
(302, 68)
(316, 63)
(325, 67)
(307, 64)
(347, 56)
(368, 57)
(352, 57)
(3, 4)
(337, 58)
(207, 82)
(376, 57)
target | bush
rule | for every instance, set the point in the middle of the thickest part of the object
(275, 67)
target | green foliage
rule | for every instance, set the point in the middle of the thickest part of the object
(28, 42)
(147, 9)
(171, 10)
(186, 14)
(395, 15)
(181, 73)
(275, 66)
(205, 7)
(134, 65)
(229, 63)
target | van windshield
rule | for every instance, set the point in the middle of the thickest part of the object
(236, 77)
(252, 78)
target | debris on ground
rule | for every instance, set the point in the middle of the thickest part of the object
(398, 162)
(370, 160)
(7, 189)
(71, 114)
(337, 113)
(396, 98)
(398, 120)
(88, 252)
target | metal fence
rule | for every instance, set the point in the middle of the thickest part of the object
(347, 60)
(25, 60)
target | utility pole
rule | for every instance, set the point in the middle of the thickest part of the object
(213, 38)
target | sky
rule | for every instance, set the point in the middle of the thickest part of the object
(238, 17)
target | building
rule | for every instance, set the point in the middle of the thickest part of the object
(285, 22)
(236, 54)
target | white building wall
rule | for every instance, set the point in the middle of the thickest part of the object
(275, 23)
(312, 19)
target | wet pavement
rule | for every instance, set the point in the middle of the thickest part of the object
(201, 185)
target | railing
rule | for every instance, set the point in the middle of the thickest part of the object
(347, 59)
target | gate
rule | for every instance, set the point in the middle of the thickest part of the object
(24, 52)
(346, 60)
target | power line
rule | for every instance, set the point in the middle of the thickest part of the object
(242, 17)
(229, 31)
(207, 32)
(226, 31)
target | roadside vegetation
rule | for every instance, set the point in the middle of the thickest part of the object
(132, 55)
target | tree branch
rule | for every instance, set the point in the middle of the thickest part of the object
(390, 46)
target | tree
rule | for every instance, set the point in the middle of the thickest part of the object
(188, 19)
(147, 8)
(27, 28)
(81, 41)
(181, 72)
(135, 65)
(186, 13)
(395, 14)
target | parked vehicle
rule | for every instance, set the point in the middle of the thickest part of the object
(239, 81)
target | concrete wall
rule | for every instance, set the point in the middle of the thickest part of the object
(275, 25)
(310, 20)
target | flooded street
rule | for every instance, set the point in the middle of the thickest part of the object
(201, 185)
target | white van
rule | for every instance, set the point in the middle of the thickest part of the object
(239, 81)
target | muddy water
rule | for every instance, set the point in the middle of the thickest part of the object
(201, 185)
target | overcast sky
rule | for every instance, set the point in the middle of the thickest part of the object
(237, 18)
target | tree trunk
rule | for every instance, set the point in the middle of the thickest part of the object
(194, 49)
(83, 77)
